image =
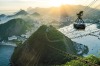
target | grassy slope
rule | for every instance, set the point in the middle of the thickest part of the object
(91, 61)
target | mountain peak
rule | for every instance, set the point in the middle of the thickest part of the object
(43, 45)
(21, 12)
(35, 14)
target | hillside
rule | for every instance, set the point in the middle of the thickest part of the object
(86, 61)
(44, 47)
(14, 27)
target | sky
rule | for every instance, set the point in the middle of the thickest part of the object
(24, 4)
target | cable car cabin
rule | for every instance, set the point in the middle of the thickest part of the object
(79, 26)
(79, 23)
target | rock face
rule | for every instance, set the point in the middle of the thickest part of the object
(45, 47)
(13, 27)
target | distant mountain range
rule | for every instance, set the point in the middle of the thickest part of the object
(62, 12)
(68, 11)
(19, 13)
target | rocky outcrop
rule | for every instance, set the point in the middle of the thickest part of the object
(47, 46)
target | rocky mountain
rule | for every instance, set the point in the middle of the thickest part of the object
(14, 27)
(19, 13)
(47, 46)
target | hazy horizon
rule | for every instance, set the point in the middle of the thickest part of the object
(24, 4)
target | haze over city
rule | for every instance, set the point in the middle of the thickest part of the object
(24, 4)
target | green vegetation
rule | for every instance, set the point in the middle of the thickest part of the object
(14, 27)
(91, 61)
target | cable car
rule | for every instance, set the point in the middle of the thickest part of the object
(80, 26)
(79, 23)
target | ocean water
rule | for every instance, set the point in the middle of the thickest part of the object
(89, 37)
(5, 54)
